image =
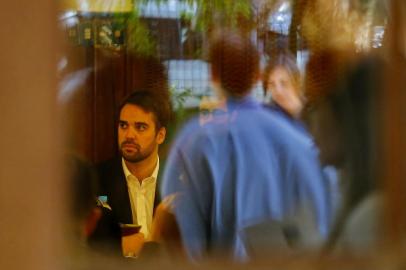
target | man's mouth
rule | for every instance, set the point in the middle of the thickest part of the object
(131, 146)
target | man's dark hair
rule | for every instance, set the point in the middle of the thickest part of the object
(235, 62)
(158, 105)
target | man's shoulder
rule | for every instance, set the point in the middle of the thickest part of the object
(188, 132)
(253, 122)
(245, 119)
(271, 128)
(263, 119)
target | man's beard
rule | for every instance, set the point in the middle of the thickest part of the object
(137, 155)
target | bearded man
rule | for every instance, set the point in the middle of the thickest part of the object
(129, 182)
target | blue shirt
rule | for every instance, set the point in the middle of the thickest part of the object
(329, 172)
(295, 123)
(238, 171)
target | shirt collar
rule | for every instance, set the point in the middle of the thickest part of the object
(242, 103)
(275, 106)
(127, 172)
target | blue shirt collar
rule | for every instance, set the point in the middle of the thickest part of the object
(246, 102)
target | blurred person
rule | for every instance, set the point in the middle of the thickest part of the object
(130, 181)
(282, 85)
(88, 217)
(342, 90)
(83, 186)
(227, 177)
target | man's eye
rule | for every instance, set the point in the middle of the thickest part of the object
(141, 127)
(122, 125)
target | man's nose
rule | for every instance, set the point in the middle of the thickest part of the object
(131, 132)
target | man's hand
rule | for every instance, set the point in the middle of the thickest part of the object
(165, 229)
(131, 245)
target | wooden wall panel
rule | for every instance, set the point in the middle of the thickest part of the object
(32, 187)
(109, 83)
(77, 103)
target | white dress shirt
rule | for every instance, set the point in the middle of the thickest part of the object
(142, 196)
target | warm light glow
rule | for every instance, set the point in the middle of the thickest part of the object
(98, 5)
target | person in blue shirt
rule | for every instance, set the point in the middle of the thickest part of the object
(242, 169)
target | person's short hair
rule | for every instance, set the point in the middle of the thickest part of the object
(286, 61)
(149, 101)
(235, 62)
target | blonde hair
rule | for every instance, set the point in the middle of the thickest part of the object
(286, 61)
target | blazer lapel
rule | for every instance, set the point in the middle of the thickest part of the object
(158, 198)
(120, 200)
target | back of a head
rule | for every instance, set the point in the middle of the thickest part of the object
(234, 63)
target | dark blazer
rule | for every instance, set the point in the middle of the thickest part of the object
(106, 238)
(113, 184)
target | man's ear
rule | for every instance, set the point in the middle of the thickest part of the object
(216, 85)
(160, 136)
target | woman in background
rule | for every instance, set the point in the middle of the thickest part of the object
(283, 95)
(281, 82)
